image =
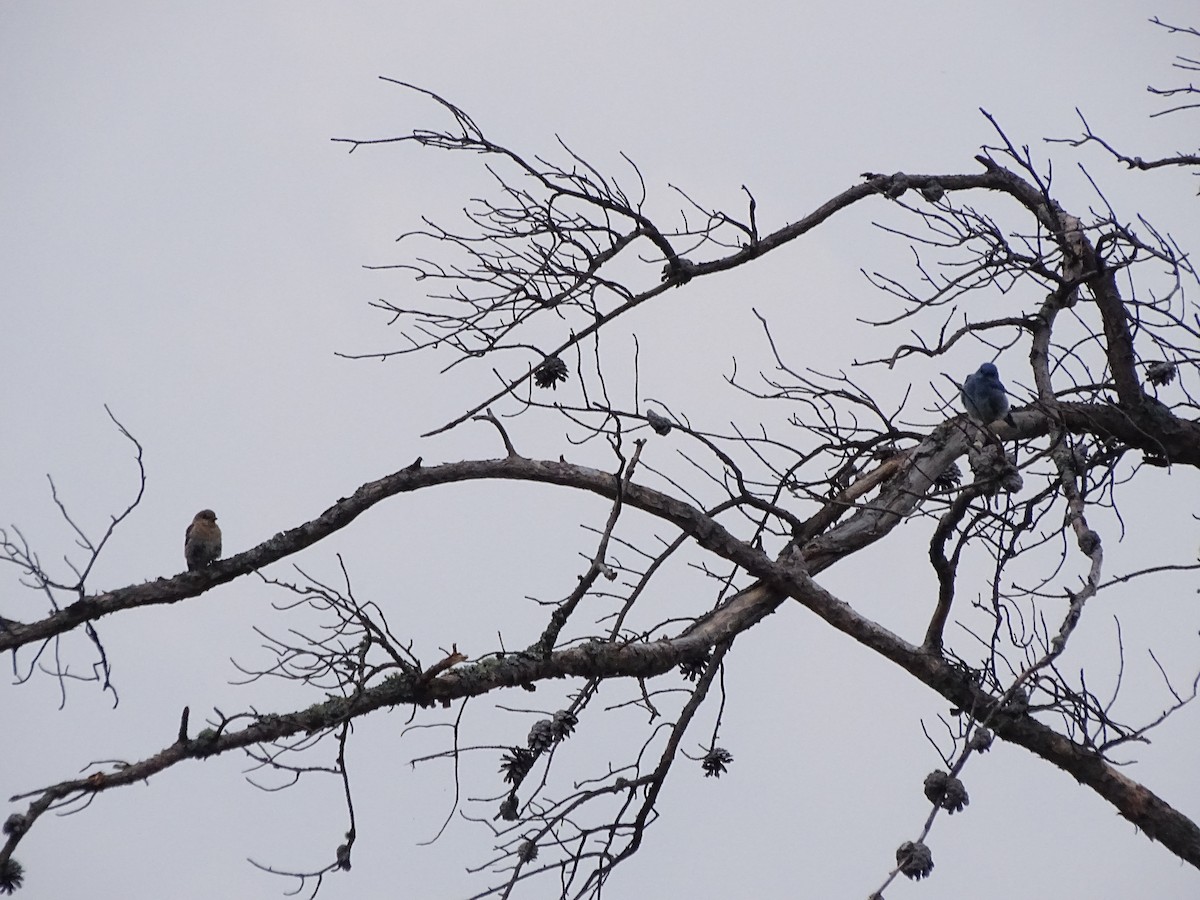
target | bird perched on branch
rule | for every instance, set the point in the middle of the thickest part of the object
(202, 540)
(985, 398)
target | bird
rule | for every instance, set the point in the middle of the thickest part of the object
(985, 398)
(202, 540)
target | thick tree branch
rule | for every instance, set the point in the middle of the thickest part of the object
(706, 532)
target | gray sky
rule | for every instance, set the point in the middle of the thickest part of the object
(183, 242)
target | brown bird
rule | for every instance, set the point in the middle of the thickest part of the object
(202, 540)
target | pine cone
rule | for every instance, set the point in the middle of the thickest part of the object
(914, 860)
(946, 791)
(933, 192)
(660, 424)
(981, 740)
(549, 372)
(715, 761)
(508, 809)
(541, 736)
(1018, 703)
(12, 876)
(693, 670)
(527, 852)
(516, 765)
(564, 723)
(1160, 373)
(956, 798)
(15, 824)
(951, 477)
(935, 786)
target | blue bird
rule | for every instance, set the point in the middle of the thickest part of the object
(985, 398)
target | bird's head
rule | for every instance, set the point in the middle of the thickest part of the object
(988, 370)
(209, 515)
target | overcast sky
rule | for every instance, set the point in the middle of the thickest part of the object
(182, 241)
